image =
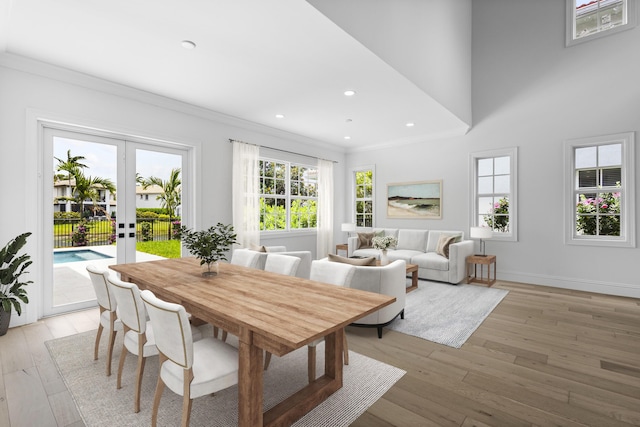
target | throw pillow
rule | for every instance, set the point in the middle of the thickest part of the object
(353, 261)
(458, 236)
(257, 248)
(442, 248)
(365, 240)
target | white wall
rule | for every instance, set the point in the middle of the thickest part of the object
(30, 89)
(531, 92)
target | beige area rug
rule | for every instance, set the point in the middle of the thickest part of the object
(447, 314)
(101, 404)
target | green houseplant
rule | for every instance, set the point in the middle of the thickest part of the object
(210, 245)
(12, 291)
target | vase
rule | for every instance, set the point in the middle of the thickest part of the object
(5, 319)
(384, 260)
(210, 268)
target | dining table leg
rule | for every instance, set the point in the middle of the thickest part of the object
(250, 382)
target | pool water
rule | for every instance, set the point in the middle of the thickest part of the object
(77, 255)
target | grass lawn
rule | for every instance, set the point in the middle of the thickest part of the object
(165, 248)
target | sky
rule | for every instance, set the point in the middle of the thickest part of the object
(101, 159)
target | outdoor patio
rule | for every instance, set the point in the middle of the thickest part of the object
(71, 283)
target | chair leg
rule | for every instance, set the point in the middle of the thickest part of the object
(123, 355)
(311, 356)
(95, 349)
(159, 389)
(112, 340)
(140, 371)
(379, 332)
(402, 314)
(186, 397)
(267, 360)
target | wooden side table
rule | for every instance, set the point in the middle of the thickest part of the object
(475, 260)
(342, 247)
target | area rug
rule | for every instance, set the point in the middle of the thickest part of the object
(101, 404)
(447, 314)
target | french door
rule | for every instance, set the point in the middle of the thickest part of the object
(99, 183)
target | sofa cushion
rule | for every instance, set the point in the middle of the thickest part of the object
(443, 244)
(365, 240)
(393, 232)
(434, 236)
(367, 252)
(352, 261)
(432, 261)
(415, 240)
(403, 254)
(257, 248)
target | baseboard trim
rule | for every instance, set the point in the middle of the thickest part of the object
(608, 288)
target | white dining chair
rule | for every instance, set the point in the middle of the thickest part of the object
(246, 258)
(190, 369)
(334, 273)
(108, 317)
(281, 264)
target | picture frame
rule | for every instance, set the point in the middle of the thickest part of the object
(415, 200)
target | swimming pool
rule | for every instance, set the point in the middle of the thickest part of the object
(61, 257)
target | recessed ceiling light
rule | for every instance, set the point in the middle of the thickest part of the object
(349, 92)
(348, 120)
(410, 124)
(188, 44)
(347, 137)
(279, 116)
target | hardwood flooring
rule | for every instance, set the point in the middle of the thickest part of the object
(544, 356)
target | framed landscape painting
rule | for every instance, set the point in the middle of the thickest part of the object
(419, 200)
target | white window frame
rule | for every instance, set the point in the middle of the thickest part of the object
(289, 198)
(571, 40)
(512, 153)
(354, 195)
(627, 238)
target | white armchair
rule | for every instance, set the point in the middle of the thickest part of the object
(390, 280)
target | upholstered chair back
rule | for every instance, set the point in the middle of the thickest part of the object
(131, 310)
(104, 295)
(334, 273)
(246, 258)
(282, 264)
(171, 329)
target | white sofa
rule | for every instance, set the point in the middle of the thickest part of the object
(419, 247)
(388, 280)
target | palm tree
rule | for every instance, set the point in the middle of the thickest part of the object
(71, 166)
(87, 187)
(171, 196)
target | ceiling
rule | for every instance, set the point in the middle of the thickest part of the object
(253, 59)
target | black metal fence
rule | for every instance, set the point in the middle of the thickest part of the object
(79, 232)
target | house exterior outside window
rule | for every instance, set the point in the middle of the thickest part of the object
(494, 192)
(600, 191)
(363, 201)
(589, 19)
(288, 196)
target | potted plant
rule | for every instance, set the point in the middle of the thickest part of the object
(209, 246)
(12, 291)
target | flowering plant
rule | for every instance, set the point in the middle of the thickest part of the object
(498, 219)
(79, 236)
(385, 242)
(598, 215)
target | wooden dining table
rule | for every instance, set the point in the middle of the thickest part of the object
(267, 312)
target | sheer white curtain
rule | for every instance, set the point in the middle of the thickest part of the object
(246, 199)
(325, 208)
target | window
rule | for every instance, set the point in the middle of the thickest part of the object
(494, 184)
(363, 207)
(600, 193)
(288, 195)
(589, 19)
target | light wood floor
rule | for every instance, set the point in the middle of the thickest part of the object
(545, 356)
